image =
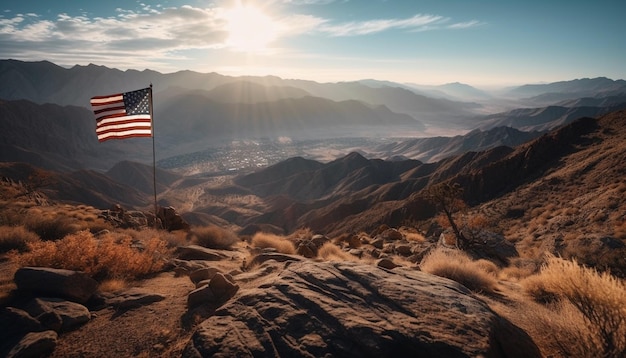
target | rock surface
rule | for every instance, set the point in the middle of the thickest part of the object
(133, 297)
(72, 285)
(58, 314)
(315, 309)
(35, 344)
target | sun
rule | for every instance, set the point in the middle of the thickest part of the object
(249, 29)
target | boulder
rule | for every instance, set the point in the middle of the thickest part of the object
(319, 240)
(386, 263)
(200, 296)
(34, 344)
(48, 311)
(197, 252)
(266, 256)
(403, 249)
(171, 220)
(347, 309)
(203, 274)
(133, 297)
(307, 249)
(14, 324)
(391, 235)
(72, 285)
(219, 289)
(17, 322)
(223, 287)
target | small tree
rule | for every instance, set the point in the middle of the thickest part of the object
(447, 197)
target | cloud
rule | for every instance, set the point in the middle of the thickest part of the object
(374, 26)
(465, 25)
(154, 35)
(156, 32)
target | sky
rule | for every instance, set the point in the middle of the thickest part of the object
(481, 43)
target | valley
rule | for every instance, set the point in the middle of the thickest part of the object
(298, 218)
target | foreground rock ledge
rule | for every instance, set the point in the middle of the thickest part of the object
(342, 309)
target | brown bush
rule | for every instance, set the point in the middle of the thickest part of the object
(111, 256)
(301, 234)
(50, 227)
(458, 266)
(213, 237)
(598, 299)
(332, 252)
(266, 240)
(16, 238)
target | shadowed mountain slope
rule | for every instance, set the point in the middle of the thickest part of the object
(546, 118)
(140, 176)
(437, 148)
(366, 194)
(80, 187)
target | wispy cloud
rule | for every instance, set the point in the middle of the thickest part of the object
(151, 33)
(375, 26)
(466, 25)
(156, 35)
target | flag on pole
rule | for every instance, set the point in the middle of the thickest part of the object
(123, 115)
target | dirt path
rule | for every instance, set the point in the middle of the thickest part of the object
(155, 330)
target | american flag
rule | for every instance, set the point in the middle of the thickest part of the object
(123, 115)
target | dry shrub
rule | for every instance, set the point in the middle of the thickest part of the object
(599, 302)
(50, 227)
(111, 256)
(332, 252)
(112, 285)
(519, 269)
(488, 266)
(458, 266)
(175, 238)
(301, 234)
(213, 237)
(16, 238)
(266, 240)
(442, 220)
(412, 234)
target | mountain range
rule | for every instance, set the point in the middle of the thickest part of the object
(46, 120)
(523, 160)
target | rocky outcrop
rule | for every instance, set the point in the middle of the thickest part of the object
(132, 298)
(72, 285)
(319, 309)
(34, 344)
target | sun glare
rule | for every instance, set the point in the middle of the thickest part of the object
(249, 29)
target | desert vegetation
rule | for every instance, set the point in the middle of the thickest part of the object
(479, 276)
(213, 237)
(589, 308)
(109, 256)
(279, 243)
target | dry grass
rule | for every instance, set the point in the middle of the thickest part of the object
(112, 285)
(593, 305)
(519, 269)
(458, 266)
(213, 237)
(16, 238)
(412, 234)
(301, 234)
(281, 244)
(332, 252)
(113, 255)
(50, 226)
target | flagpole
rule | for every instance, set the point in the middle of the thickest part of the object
(153, 161)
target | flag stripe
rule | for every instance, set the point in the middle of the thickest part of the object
(114, 127)
(124, 135)
(123, 115)
(104, 99)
